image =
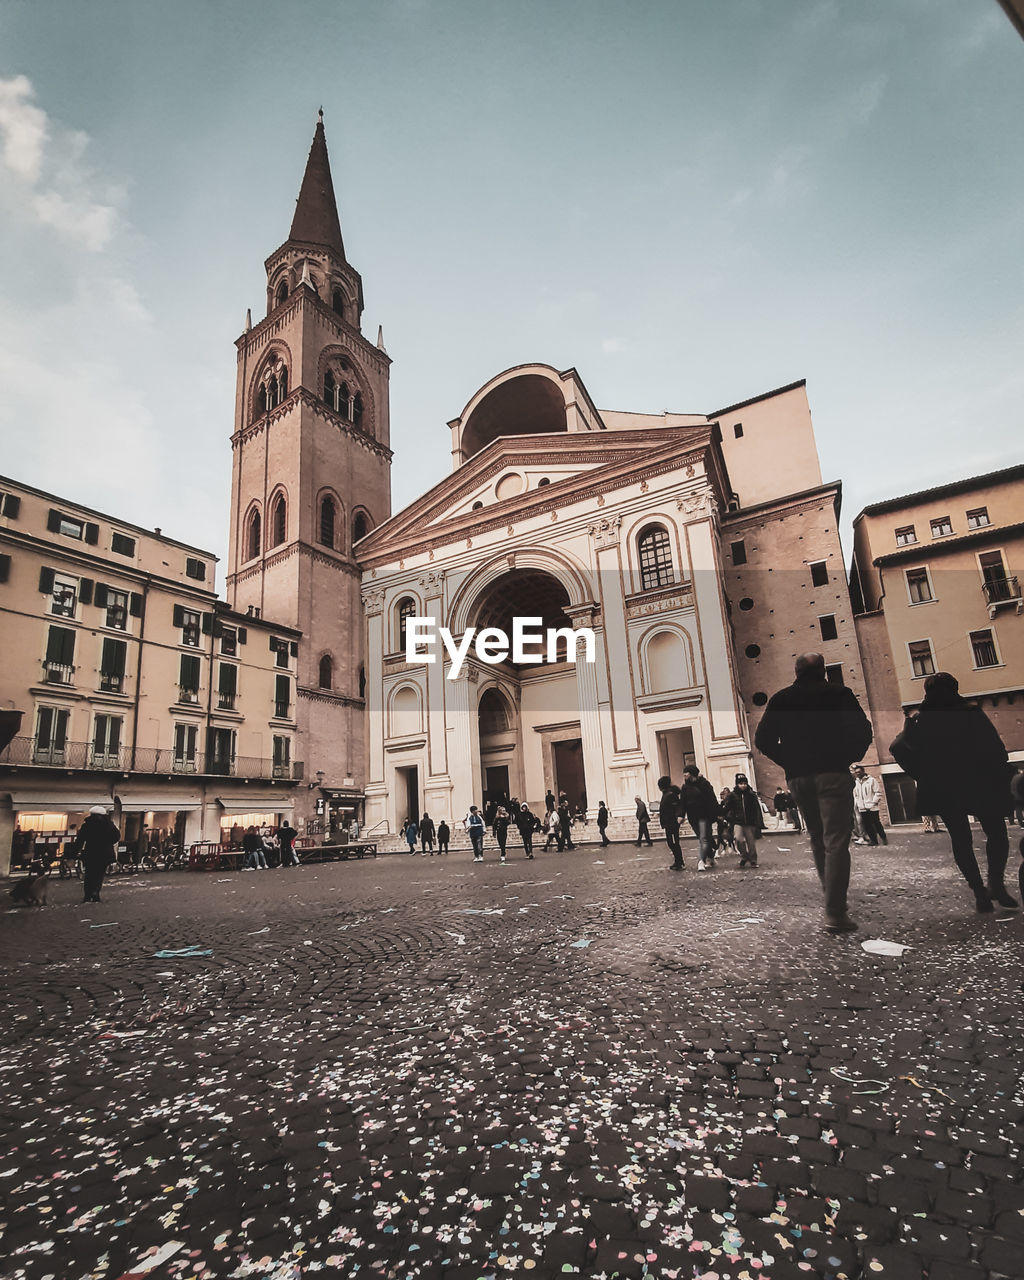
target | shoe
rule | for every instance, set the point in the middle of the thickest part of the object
(998, 894)
(754, 864)
(703, 866)
(840, 924)
(858, 840)
(743, 862)
(478, 859)
(982, 900)
(502, 859)
(675, 866)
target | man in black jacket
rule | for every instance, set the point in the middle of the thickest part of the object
(815, 730)
(669, 814)
(700, 804)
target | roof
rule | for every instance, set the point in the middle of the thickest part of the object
(1005, 476)
(316, 211)
(765, 395)
(943, 546)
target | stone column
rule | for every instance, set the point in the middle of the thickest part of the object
(605, 535)
(437, 785)
(464, 749)
(376, 788)
(589, 709)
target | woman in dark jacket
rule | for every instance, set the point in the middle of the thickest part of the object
(95, 844)
(953, 752)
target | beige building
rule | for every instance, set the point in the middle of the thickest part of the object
(937, 580)
(137, 688)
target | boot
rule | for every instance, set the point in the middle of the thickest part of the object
(998, 894)
(982, 900)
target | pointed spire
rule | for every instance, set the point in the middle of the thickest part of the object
(248, 319)
(380, 338)
(316, 212)
(305, 275)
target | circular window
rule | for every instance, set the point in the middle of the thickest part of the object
(746, 604)
(478, 506)
(759, 699)
(508, 486)
(753, 650)
(542, 482)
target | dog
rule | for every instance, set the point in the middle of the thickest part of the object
(30, 892)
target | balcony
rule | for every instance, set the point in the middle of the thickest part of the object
(225, 701)
(1001, 592)
(59, 673)
(111, 683)
(26, 752)
(187, 694)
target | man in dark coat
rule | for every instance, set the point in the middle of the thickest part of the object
(602, 822)
(815, 730)
(700, 804)
(427, 834)
(527, 825)
(444, 834)
(953, 752)
(743, 810)
(643, 819)
(564, 824)
(286, 837)
(95, 844)
(669, 815)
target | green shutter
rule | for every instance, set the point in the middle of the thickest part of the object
(113, 659)
(85, 587)
(46, 581)
(12, 505)
(92, 534)
(243, 635)
(179, 615)
(5, 568)
(60, 646)
(189, 671)
(53, 521)
(99, 595)
(135, 605)
(228, 678)
(207, 624)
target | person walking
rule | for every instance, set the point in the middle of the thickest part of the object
(743, 812)
(929, 824)
(643, 823)
(95, 845)
(550, 825)
(474, 824)
(1017, 795)
(815, 730)
(252, 844)
(411, 831)
(286, 837)
(564, 824)
(669, 815)
(725, 831)
(527, 824)
(700, 804)
(444, 835)
(549, 801)
(602, 823)
(867, 798)
(500, 828)
(955, 755)
(427, 834)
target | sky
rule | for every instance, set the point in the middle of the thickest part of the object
(689, 201)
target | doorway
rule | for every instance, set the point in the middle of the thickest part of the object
(407, 794)
(496, 783)
(567, 758)
(675, 752)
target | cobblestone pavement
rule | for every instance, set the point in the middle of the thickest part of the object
(426, 1068)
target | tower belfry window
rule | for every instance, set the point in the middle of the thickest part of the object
(282, 292)
(279, 521)
(338, 302)
(327, 516)
(254, 540)
(357, 409)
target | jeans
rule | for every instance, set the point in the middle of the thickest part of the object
(826, 802)
(476, 836)
(604, 836)
(672, 840)
(257, 858)
(643, 833)
(748, 838)
(997, 846)
(702, 826)
(871, 826)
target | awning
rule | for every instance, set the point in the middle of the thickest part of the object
(57, 802)
(159, 804)
(279, 802)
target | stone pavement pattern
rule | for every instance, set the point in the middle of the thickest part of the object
(580, 1065)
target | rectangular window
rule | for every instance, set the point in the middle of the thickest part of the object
(906, 535)
(282, 757)
(280, 649)
(739, 552)
(819, 573)
(941, 526)
(229, 642)
(51, 735)
(655, 560)
(919, 587)
(921, 661)
(737, 430)
(195, 569)
(117, 609)
(282, 697)
(5, 568)
(220, 750)
(827, 624)
(185, 736)
(112, 665)
(106, 741)
(834, 673)
(188, 678)
(984, 647)
(60, 656)
(996, 583)
(10, 505)
(69, 526)
(64, 599)
(191, 628)
(227, 687)
(122, 545)
(978, 518)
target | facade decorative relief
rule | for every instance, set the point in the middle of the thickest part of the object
(605, 531)
(660, 602)
(373, 600)
(432, 582)
(698, 506)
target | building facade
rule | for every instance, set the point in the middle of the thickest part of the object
(936, 579)
(137, 689)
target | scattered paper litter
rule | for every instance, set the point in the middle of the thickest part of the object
(879, 947)
(185, 951)
(583, 942)
(150, 1261)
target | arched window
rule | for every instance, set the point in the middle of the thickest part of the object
(493, 714)
(326, 672)
(405, 712)
(279, 521)
(667, 667)
(338, 302)
(360, 526)
(282, 292)
(405, 610)
(282, 383)
(254, 540)
(655, 554)
(329, 389)
(327, 515)
(344, 404)
(357, 409)
(261, 399)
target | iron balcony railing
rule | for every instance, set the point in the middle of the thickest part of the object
(1002, 590)
(86, 756)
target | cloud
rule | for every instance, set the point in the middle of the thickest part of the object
(59, 190)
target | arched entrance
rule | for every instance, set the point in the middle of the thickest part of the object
(528, 714)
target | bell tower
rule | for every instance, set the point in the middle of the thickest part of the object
(311, 475)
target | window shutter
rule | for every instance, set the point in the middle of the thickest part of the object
(243, 635)
(283, 690)
(5, 568)
(60, 646)
(99, 595)
(273, 644)
(228, 678)
(92, 534)
(207, 624)
(135, 605)
(53, 521)
(113, 657)
(189, 671)
(85, 588)
(294, 648)
(12, 505)
(46, 581)
(179, 615)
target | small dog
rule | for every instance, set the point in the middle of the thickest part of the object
(30, 892)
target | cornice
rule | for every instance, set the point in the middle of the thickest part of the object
(300, 396)
(326, 696)
(738, 522)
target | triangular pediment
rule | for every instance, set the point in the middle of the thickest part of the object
(575, 465)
